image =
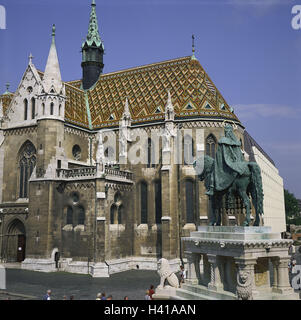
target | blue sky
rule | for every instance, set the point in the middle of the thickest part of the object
(248, 48)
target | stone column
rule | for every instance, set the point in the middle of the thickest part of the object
(246, 267)
(275, 263)
(215, 278)
(283, 284)
(192, 273)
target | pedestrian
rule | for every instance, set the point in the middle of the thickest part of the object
(182, 274)
(110, 297)
(151, 291)
(147, 297)
(64, 297)
(47, 295)
(72, 297)
(98, 296)
(103, 296)
(126, 298)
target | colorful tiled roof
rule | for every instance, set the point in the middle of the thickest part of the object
(192, 91)
(193, 94)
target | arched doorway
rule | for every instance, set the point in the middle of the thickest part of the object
(15, 241)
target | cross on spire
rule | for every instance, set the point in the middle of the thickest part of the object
(30, 58)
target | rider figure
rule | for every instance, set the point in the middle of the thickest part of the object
(228, 159)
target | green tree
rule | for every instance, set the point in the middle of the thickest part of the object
(292, 208)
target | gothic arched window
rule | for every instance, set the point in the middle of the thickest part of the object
(69, 217)
(158, 201)
(188, 149)
(113, 214)
(51, 108)
(211, 146)
(189, 201)
(120, 214)
(81, 215)
(43, 108)
(27, 162)
(33, 108)
(25, 109)
(143, 202)
(150, 153)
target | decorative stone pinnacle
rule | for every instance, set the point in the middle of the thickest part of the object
(7, 86)
(30, 58)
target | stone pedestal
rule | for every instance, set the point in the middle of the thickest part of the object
(238, 263)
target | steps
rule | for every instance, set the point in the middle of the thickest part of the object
(200, 292)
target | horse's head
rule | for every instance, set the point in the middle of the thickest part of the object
(203, 166)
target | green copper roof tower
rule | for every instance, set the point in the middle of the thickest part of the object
(92, 52)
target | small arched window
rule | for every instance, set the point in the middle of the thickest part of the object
(211, 145)
(69, 217)
(188, 149)
(120, 214)
(43, 108)
(33, 108)
(81, 215)
(51, 108)
(143, 202)
(60, 110)
(25, 109)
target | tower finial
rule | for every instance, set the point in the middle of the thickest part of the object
(93, 3)
(30, 58)
(53, 32)
(7, 87)
(193, 47)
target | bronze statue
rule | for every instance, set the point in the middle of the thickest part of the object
(230, 175)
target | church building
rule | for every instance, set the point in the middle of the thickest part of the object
(73, 195)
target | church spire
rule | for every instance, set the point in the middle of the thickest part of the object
(92, 52)
(52, 76)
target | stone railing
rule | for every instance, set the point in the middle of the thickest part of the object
(119, 174)
(90, 172)
(78, 173)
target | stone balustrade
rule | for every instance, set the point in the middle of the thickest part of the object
(91, 172)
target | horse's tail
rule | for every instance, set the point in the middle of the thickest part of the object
(256, 187)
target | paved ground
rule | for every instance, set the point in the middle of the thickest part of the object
(132, 283)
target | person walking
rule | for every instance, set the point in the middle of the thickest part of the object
(182, 274)
(110, 297)
(98, 296)
(147, 297)
(47, 295)
(103, 296)
(151, 291)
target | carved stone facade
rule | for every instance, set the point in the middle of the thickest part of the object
(78, 203)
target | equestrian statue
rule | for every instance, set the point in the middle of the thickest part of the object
(230, 175)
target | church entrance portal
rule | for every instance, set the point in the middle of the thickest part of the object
(15, 241)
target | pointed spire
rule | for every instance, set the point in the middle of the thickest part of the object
(93, 32)
(193, 49)
(126, 111)
(52, 76)
(169, 109)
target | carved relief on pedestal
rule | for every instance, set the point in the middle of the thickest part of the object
(244, 285)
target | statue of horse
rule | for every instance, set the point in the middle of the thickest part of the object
(249, 183)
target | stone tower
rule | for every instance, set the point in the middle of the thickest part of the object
(51, 110)
(92, 52)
